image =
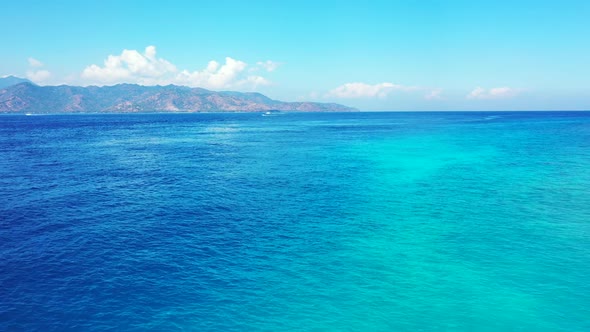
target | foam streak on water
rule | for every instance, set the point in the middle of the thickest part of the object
(349, 221)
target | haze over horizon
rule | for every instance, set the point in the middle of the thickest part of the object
(381, 55)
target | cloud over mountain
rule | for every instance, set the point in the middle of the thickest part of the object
(132, 66)
(35, 73)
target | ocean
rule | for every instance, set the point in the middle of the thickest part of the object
(393, 221)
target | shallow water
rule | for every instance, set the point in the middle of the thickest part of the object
(346, 221)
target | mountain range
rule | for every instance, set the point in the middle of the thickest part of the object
(19, 95)
(12, 80)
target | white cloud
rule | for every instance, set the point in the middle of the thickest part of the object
(268, 65)
(493, 93)
(35, 63)
(38, 76)
(131, 67)
(257, 80)
(434, 94)
(214, 75)
(363, 90)
(146, 68)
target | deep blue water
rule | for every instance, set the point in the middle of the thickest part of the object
(295, 222)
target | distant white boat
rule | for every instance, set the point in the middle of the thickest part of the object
(28, 114)
(271, 113)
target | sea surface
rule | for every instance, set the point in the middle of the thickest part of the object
(434, 221)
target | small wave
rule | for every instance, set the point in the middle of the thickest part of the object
(221, 129)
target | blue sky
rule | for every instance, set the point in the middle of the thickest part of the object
(375, 55)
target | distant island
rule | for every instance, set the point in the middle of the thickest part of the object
(19, 95)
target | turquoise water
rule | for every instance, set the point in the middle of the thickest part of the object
(314, 222)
